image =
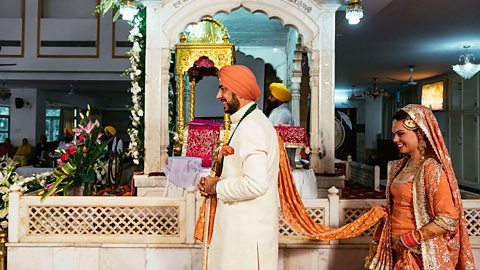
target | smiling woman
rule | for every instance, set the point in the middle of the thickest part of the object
(425, 222)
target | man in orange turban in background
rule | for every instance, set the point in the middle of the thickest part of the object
(245, 229)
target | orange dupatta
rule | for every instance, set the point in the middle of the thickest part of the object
(295, 213)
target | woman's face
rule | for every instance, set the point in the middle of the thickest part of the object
(406, 140)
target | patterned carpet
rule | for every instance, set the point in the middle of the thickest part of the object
(356, 191)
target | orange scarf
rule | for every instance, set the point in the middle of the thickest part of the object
(295, 213)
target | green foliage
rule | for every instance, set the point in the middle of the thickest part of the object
(79, 159)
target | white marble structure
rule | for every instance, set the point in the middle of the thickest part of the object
(315, 21)
(99, 233)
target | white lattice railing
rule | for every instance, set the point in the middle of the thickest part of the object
(368, 176)
(156, 220)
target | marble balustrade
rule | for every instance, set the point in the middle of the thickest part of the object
(157, 233)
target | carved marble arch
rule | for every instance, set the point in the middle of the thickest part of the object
(203, 49)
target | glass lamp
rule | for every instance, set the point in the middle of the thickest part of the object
(466, 69)
(353, 11)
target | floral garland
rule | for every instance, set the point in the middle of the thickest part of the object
(136, 72)
(137, 77)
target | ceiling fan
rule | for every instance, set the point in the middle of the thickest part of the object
(72, 90)
(355, 97)
(410, 81)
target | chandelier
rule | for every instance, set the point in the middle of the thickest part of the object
(375, 91)
(466, 70)
(353, 11)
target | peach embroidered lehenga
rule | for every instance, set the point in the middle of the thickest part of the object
(432, 194)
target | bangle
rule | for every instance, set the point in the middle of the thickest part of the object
(409, 240)
(422, 239)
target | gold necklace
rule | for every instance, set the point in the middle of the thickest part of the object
(408, 169)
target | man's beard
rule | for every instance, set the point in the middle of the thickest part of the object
(232, 107)
(270, 106)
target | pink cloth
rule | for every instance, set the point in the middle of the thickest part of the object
(240, 80)
(202, 138)
(293, 136)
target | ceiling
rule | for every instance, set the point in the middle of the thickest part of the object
(393, 35)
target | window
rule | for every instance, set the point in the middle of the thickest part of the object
(4, 122)
(432, 95)
(52, 124)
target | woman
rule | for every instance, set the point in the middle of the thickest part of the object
(23, 154)
(425, 227)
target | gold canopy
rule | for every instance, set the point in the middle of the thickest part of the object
(208, 39)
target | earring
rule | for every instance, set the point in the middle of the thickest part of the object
(422, 144)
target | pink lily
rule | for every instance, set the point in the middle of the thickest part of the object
(99, 137)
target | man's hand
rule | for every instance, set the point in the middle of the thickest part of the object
(207, 185)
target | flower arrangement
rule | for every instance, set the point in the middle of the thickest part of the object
(8, 177)
(76, 165)
(136, 71)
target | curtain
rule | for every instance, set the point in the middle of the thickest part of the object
(409, 95)
(66, 118)
(389, 108)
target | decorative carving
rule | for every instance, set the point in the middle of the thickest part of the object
(209, 40)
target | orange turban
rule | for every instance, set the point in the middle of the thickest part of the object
(240, 80)
(69, 131)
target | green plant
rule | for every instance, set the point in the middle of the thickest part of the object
(78, 161)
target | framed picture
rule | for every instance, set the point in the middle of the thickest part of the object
(432, 95)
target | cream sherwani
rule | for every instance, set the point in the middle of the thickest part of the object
(245, 236)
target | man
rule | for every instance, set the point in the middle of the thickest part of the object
(67, 139)
(7, 149)
(116, 144)
(277, 108)
(280, 115)
(245, 232)
(40, 158)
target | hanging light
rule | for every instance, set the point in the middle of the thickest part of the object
(128, 10)
(354, 11)
(375, 91)
(466, 70)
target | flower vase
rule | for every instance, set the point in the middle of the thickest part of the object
(86, 181)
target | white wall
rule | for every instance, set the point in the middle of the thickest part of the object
(276, 56)
(29, 121)
(206, 90)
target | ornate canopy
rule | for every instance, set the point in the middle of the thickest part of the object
(203, 49)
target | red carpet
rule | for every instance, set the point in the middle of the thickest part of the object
(354, 190)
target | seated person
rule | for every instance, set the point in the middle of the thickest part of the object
(67, 138)
(7, 149)
(63, 144)
(40, 158)
(24, 153)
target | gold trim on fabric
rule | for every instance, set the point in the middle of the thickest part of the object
(421, 215)
(446, 222)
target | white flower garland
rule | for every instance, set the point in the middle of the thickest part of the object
(136, 111)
